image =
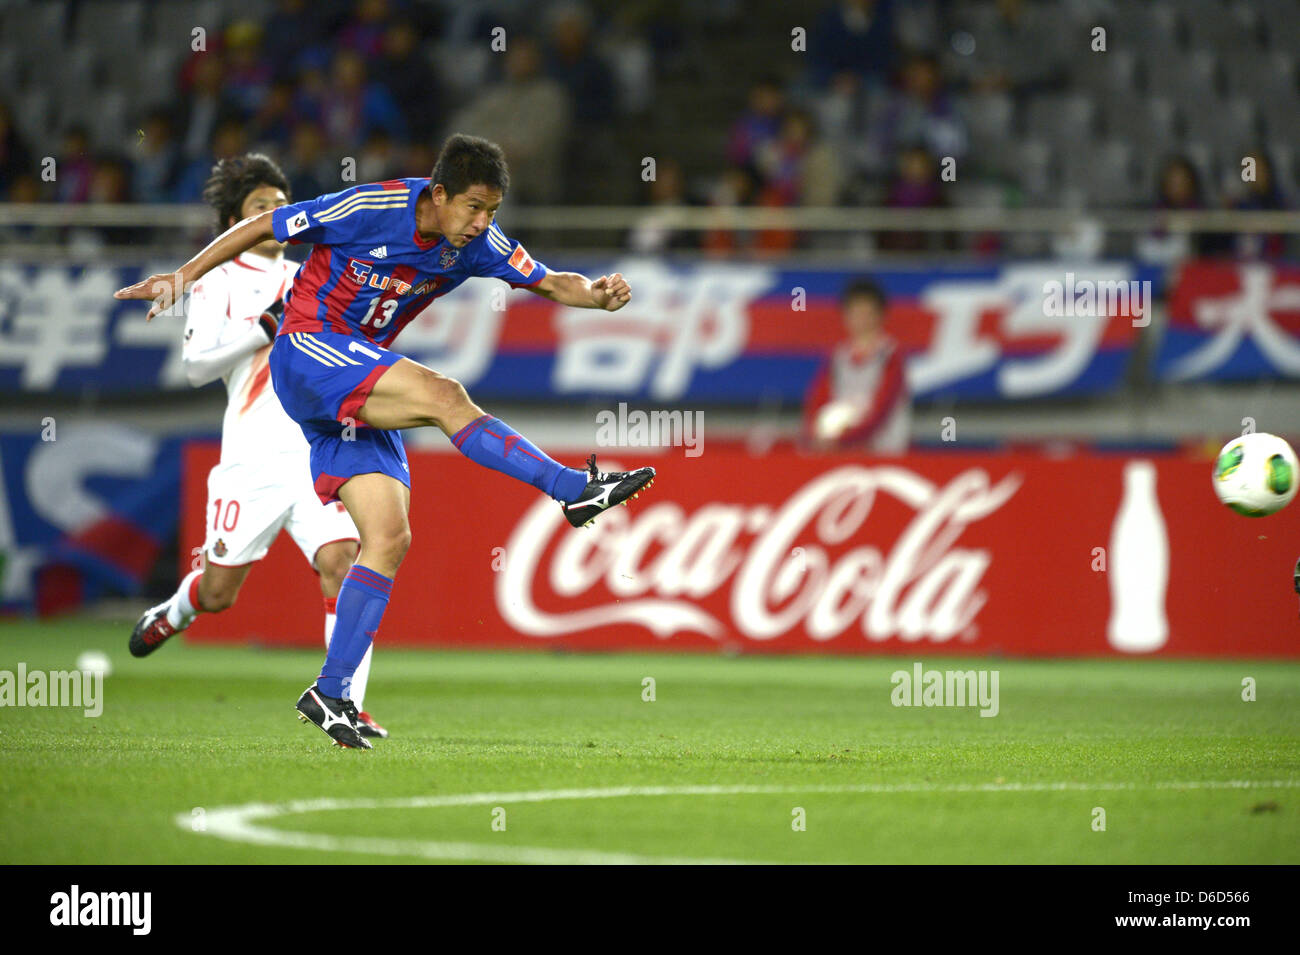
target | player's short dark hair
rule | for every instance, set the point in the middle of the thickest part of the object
(864, 288)
(233, 178)
(470, 161)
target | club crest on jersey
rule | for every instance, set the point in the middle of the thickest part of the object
(448, 258)
(219, 548)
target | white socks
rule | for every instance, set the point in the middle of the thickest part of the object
(181, 609)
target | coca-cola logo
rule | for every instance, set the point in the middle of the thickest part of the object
(811, 562)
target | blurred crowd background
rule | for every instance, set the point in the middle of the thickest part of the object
(861, 110)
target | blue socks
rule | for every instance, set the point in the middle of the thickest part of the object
(362, 600)
(494, 444)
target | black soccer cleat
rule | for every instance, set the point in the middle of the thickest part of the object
(603, 491)
(336, 717)
(367, 726)
(151, 631)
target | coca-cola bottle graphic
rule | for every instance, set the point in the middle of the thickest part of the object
(1138, 565)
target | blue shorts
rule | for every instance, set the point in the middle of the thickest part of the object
(322, 379)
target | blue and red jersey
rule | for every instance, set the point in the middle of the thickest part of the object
(371, 273)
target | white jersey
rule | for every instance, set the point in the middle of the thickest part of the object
(224, 340)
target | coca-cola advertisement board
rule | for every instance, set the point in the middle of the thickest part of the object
(946, 553)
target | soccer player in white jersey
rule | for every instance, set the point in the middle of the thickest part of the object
(263, 483)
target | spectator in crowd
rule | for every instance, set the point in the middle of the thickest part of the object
(297, 27)
(229, 139)
(573, 62)
(311, 172)
(859, 400)
(853, 36)
(1179, 190)
(528, 114)
(110, 181)
(919, 113)
(405, 72)
(205, 105)
(796, 168)
(916, 184)
(652, 234)
(76, 166)
(737, 186)
(378, 159)
(26, 187)
(247, 72)
(158, 160)
(1259, 193)
(364, 33)
(356, 105)
(311, 87)
(759, 124)
(271, 125)
(15, 157)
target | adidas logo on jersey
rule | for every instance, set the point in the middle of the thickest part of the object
(380, 253)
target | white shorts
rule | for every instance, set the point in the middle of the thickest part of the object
(248, 507)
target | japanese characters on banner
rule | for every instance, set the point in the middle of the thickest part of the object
(929, 553)
(708, 332)
(1232, 321)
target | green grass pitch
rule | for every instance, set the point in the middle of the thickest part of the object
(741, 745)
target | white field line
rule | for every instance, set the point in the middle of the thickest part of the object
(241, 823)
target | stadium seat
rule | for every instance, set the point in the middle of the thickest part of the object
(35, 118)
(118, 18)
(1260, 75)
(1142, 27)
(1284, 170)
(1188, 80)
(1231, 123)
(1104, 74)
(174, 22)
(1103, 172)
(1035, 160)
(1211, 24)
(1146, 123)
(1063, 119)
(989, 117)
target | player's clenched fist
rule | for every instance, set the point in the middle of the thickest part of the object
(611, 292)
(165, 290)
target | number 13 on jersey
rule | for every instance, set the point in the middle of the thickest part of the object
(389, 310)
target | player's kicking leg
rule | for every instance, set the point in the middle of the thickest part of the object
(409, 395)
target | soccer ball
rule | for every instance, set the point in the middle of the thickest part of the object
(1256, 474)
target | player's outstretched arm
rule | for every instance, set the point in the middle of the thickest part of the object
(610, 292)
(165, 289)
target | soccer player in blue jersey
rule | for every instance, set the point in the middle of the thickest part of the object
(382, 252)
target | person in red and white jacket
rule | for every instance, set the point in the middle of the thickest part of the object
(859, 400)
